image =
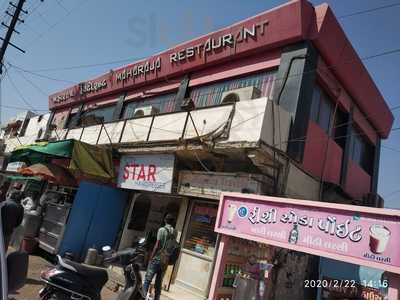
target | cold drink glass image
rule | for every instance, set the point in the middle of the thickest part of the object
(379, 236)
(231, 212)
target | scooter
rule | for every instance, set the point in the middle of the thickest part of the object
(70, 280)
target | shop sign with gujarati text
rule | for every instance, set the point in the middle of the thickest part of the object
(354, 234)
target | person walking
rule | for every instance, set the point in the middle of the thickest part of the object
(3, 191)
(12, 214)
(157, 263)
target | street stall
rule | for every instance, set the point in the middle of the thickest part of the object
(59, 167)
(357, 235)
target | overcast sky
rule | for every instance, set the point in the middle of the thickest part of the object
(61, 34)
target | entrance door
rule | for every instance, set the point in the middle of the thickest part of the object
(199, 247)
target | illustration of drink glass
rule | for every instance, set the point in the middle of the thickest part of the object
(379, 236)
(231, 212)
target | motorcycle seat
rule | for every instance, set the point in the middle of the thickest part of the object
(96, 276)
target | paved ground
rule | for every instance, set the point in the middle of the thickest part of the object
(31, 290)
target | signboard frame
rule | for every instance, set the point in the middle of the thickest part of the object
(305, 203)
(168, 172)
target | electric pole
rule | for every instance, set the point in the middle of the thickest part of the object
(11, 30)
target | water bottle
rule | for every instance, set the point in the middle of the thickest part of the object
(261, 289)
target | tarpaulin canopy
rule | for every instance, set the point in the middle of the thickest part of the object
(85, 159)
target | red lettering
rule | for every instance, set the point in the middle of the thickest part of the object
(141, 175)
(126, 171)
(134, 170)
(151, 172)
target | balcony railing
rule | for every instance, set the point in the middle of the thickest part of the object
(243, 122)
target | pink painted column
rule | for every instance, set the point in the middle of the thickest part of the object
(394, 286)
(219, 267)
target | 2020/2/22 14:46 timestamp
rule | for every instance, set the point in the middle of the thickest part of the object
(324, 283)
(378, 284)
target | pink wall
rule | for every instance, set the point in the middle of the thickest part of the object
(338, 93)
(358, 181)
(286, 24)
(314, 155)
(336, 49)
(289, 23)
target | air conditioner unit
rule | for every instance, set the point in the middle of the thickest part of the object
(246, 93)
(145, 111)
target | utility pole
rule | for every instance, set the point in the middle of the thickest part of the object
(10, 30)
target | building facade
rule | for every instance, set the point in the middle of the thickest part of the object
(277, 104)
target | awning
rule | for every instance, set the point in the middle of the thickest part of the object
(85, 159)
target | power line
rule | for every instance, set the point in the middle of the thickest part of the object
(391, 194)
(88, 65)
(19, 92)
(32, 83)
(136, 59)
(80, 3)
(41, 75)
(21, 108)
(368, 10)
(391, 148)
(268, 80)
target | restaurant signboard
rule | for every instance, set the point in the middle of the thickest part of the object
(147, 172)
(354, 234)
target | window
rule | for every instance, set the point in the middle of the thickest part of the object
(340, 128)
(100, 115)
(163, 103)
(201, 237)
(321, 109)
(211, 94)
(362, 152)
(70, 120)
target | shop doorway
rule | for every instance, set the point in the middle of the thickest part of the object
(198, 248)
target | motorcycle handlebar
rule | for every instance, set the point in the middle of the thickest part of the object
(124, 257)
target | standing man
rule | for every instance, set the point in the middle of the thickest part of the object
(12, 214)
(157, 266)
(3, 191)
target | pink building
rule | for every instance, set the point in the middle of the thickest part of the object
(277, 104)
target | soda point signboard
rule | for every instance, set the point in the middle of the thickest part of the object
(359, 235)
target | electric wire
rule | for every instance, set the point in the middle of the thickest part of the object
(366, 11)
(134, 59)
(21, 96)
(32, 83)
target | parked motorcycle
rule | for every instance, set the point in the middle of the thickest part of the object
(70, 280)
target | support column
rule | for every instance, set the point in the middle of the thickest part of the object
(218, 273)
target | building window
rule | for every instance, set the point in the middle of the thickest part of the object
(162, 104)
(210, 94)
(97, 115)
(362, 152)
(321, 109)
(201, 237)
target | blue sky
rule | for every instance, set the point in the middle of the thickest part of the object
(61, 33)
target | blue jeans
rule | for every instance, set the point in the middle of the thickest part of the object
(154, 269)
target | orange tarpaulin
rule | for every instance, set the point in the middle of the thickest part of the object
(50, 172)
